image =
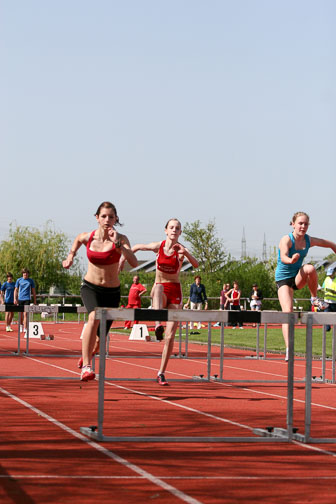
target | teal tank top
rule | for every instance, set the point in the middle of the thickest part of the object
(284, 271)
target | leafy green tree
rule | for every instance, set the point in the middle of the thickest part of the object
(42, 253)
(205, 245)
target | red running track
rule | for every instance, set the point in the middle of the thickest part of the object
(45, 458)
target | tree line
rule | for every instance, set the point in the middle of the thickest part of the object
(41, 252)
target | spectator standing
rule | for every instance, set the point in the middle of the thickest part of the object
(7, 298)
(329, 287)
(24, 290)
(197, 297)
(234, 299)
(256, 297)
(224, 301)
(134, 298)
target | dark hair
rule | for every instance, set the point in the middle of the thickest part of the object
(25, 270)
(107, 204)
(197, 276)
(9, 274)
(174, 218)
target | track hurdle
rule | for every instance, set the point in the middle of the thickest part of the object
(34, 309)
(104, 314)
(310, 319)
(15, 309)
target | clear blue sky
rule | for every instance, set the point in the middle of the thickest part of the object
(202, 110)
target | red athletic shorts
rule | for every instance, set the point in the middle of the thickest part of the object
(173, 292)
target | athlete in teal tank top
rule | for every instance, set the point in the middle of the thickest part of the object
(283, 270)
(290, 273)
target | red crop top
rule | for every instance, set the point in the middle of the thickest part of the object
(102, 258)
(167, 264)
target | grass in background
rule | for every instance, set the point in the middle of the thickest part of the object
(246, 339)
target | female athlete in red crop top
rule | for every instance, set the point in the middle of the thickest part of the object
(166, 292)
(101, 286)
(103, 258)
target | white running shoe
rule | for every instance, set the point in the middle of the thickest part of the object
(87, 374)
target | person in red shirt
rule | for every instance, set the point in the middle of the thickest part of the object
(134, 298)
(234, 299)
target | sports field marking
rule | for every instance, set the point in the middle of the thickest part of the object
(181, 478)
(149, 396)
(120, 460)
(197, 362)
(186, 376)
(303, 445)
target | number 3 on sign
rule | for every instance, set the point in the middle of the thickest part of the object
(35, 330)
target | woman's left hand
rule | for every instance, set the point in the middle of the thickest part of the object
(114, 235)
(179, 248)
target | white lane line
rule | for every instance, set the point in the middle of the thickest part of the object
(156, 398)
(180, 478)
(315, 448)
(120, 460)
(304, 445)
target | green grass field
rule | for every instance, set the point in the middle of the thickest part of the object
(247, 338)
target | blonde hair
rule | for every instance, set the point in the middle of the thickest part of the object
(296, 215)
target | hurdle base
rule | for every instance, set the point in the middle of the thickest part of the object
(93, 434)
(275, 433)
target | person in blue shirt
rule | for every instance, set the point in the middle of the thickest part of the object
(197, 297)
(7, 297)
(290, 273)
(24, 289)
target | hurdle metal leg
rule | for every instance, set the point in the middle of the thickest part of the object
(310, 319)
(209, 351)
(324, 352)
(221, 357)
(101, 383)
(265, 341)
(333, 355)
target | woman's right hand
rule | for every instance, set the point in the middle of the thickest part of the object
(295, 258)
(68, 262)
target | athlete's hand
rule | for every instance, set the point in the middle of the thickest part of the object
(114, 235)
(295, 258)
(179, 248)
(67, 262)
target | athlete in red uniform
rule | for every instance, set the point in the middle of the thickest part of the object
(166, 292)
(101, 287)
(134, 298)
